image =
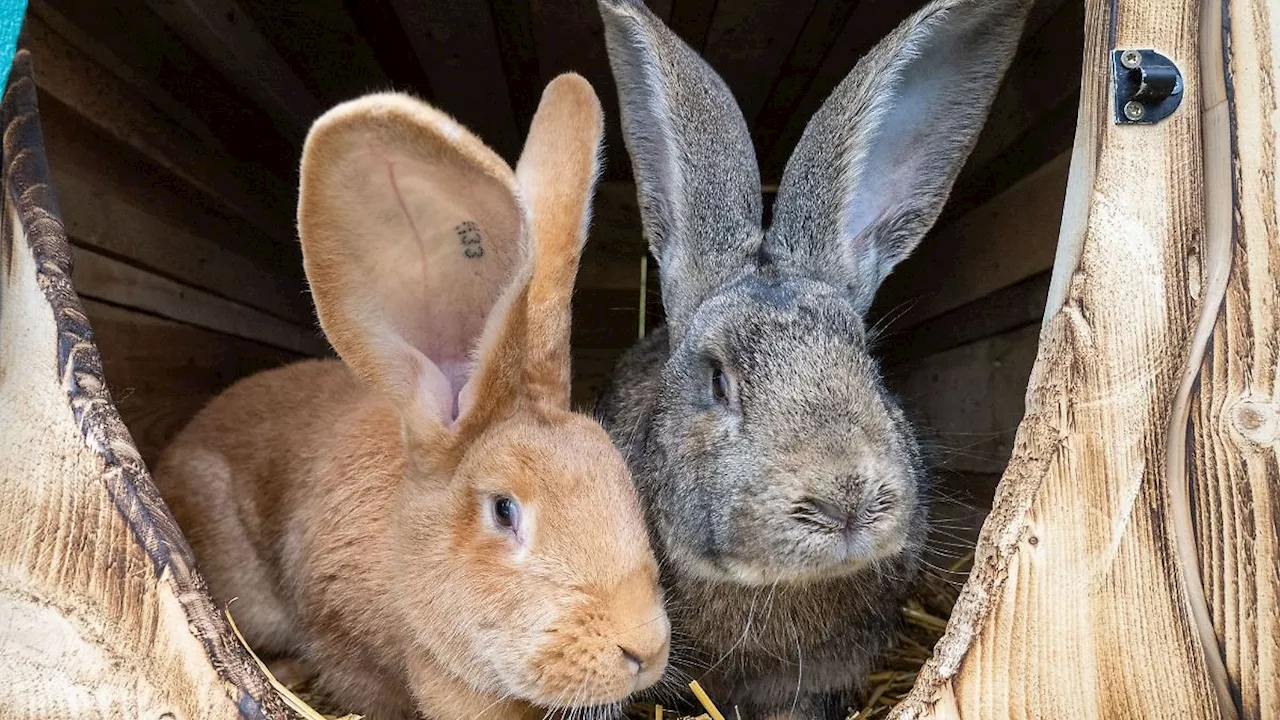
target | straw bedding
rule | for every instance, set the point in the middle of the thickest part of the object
(925, 618)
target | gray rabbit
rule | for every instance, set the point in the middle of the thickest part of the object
(784, 489)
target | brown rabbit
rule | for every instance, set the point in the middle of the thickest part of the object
(428, 525)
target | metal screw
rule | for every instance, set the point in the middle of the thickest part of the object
(1134, 110)
(1131, 59)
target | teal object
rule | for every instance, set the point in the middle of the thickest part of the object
(11, 13)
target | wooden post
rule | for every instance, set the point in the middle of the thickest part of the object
(1129, 567)
(1233, 458)
(102, 613)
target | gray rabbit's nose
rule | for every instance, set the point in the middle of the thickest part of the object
(825, 515)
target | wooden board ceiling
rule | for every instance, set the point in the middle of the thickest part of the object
(250, 75)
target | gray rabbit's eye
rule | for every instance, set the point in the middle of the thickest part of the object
(719, 384)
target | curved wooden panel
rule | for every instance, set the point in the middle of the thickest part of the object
(1086, 598)
(102, 613)
(1233, 449)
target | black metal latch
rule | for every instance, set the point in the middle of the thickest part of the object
(1148, 86)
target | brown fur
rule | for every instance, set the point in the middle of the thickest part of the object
(345, 504)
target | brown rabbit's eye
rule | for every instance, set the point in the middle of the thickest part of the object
(507, 512)
(719, 384)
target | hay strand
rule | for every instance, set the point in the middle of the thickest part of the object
(294, 702)
(707, 705)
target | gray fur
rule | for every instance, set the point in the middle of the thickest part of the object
(790, 519)
(877, 161)
(691, 130)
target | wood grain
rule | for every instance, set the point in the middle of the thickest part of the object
(455, 43)
(96, 49)
(1007, 240)
(967, 401)
(103, 278)
(1234, 456)
(227, 37)
(1079, 604)
(162, 372)
(132, 42)
(104, 100)
(106, 219)
(77, 148)
(749, 42)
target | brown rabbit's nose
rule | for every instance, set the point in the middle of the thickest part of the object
(634, 661)
(640, 661)
(648, 665)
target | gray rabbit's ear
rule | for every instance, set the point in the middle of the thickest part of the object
(696, 173)
(877, 161)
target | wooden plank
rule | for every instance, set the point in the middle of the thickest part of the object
(748, 42)
(455, 43)
(1232, 450)
(104, 100)
(1001, 311)
(1007, 240)
(870, 21)
(162, 372)
(134, 43)
(592, 369)
(691, 20)
(103, 218)
(99, 53)
(1045, 74)
(1051, 136)
(76, 148)
(513, 25)
(226, 36)
(967, 401)
(778, 132)
(821, 32)
(102, 278)
(569, 35)
(609, 319)
(1080, 603)
(319, 41)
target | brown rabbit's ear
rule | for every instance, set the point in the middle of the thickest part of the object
(414, 240)
(557, 174)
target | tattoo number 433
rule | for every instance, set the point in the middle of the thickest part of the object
(470, 239)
